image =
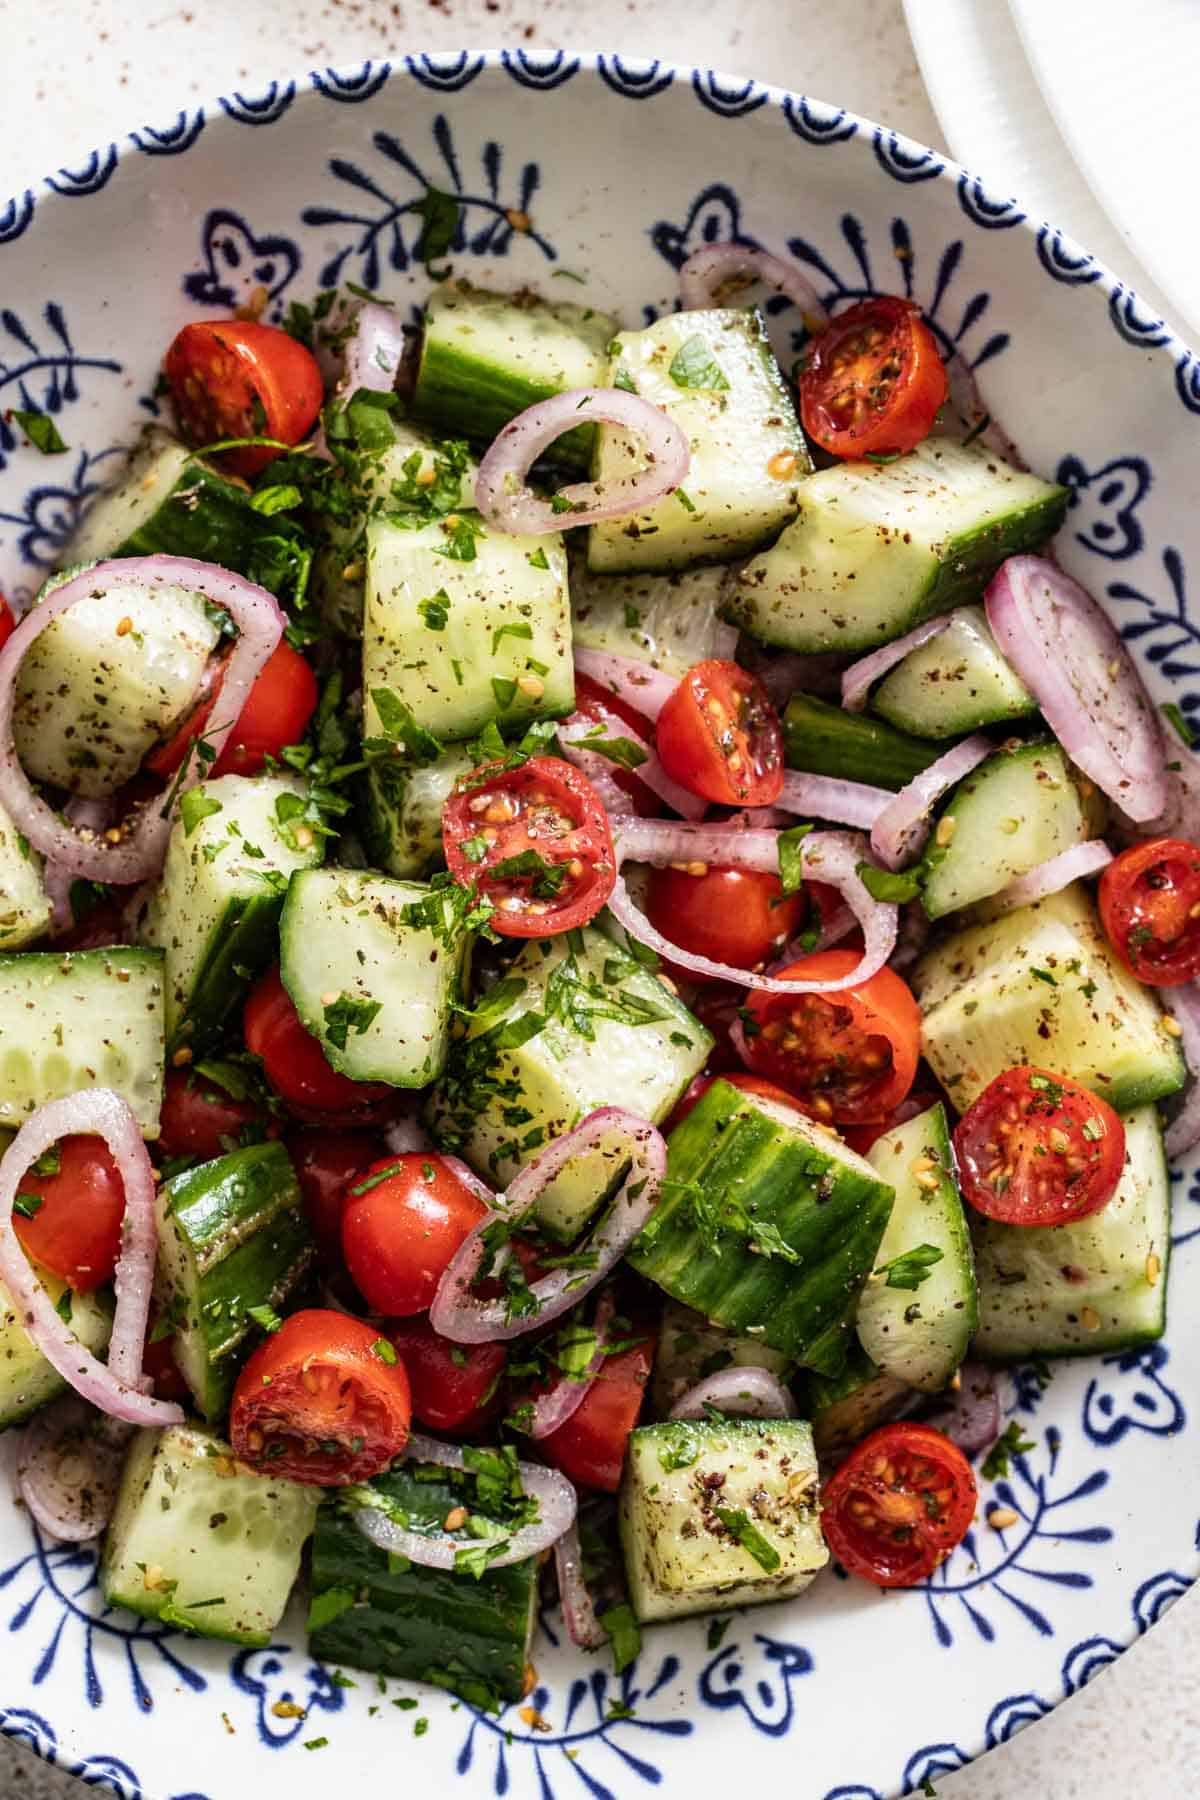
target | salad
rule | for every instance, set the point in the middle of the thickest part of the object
(592, 939)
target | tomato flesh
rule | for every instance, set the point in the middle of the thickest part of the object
(849, 1056)
(277, 711)
(589, 1447)
(455, 1387)
(8, 623)
(861, 1137)
(1038, 1149)
(738, 1078)
(198, 1118)
(235, 378)
(733, 916)
(401, 1226)
(327, 1164)
(1150, 907)
(323, 1400)
(873, 381)
(898, 1505)
(535, 841)
(719, 736)
(70, 1221)
(294, 1062)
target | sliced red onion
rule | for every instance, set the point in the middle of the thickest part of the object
(1070, 656)
(1183, 1003)
(971, 1417)
(553, 1492)
(599, 772)
(787, 672)
(94, 816)
(461, 1316)
(899, 834)
(835, 929)
(474, 1182)
(505, 498)
(562, 1401)
(637, 683)
(1056, 873)
(915, 927)
(724, 642)
(720, 269)
(374, 352)
(978, 424)
(759, 818)
(861, 676)
(650, 772)
(139, 853)
(69, 1468)
(831, 857)
(579, 1614)
(742, 1390)
(827, 797)
(115, 1389)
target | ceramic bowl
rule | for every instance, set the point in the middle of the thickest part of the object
(592, 167)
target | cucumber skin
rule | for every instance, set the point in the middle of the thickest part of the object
(422, 1624)
(246, 937)
(460, 397)
(222, 527)
(846, 1407)
(978, 554)
(34, 1381)
(727, 1144)
(821, 739)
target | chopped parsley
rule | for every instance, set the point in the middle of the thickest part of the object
(694, 366)
(912, 1268)
(398, 725)
(624, 1635)
(537, 559)
(28, 1206)
(882, 884)
(1009, 1443)
(1181, 726)
(741, 1527)
(460, 531)
(519, 630)
(344, 1015)
(194, 807)
(41, 431)
(265, 1316)
(1047, 977)
(791, 858)
(439, 213)
(435, 610)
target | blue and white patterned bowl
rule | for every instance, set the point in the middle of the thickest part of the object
(616, 171)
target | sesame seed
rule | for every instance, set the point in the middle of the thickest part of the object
(929, 1181)
(181, 1058)
(1170, 1024)
(1153, 1268)
(455, 1519)
(532, 686)
(331, 998)
(945, 831)
(697, 868)
(520, 221)
(1089, 1318)
(124, 626)
(1001, 1517)
(304, 837)
(782, 465)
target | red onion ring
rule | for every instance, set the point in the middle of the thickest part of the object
(1070, 656)
(637, 683)
(114, 1389)
(831, 857)
(579, 1614)
(724, 642)
(553, 1492)
(1184, 1005)
(861, 676)
(139, 854)
(742, 1390)
(505, 499)
(374, 352)
(69, 1468)
(967, 402)
(827, 797)
(562, 1401)
(899, 834)
(650, 772)
(787, 672)
(1056, 873)
(599, 771)
(461, 1316)
(972, 1413)
(715, 267)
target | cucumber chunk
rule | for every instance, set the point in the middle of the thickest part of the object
(920, 1334)
(215, 910)
(767, 1224)
(106, 681)
(681, 1555)
(24, 903)
(379, 1612)
(823, 740)
(485, 357)
(668, 621)
(690, 1349)
(880, 546)
(374, 991)
(845, 1407)
(955, 683)
(81, 1019)
(27, 1380)
(400, 811)
(1099, 1284)
(232, 1235)
(202, 1541)
(714, 374)
(1016, 810)
(1040, 985)
(459, 642)
(518, 1079)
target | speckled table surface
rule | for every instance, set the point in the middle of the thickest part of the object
(74, 73)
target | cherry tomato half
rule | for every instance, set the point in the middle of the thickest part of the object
(734, 916)
(277, 711)
(294, 1062)
(324, 1400)
(719, 736)
(595, 702)
(873, 380)
(738, 1078)
(158, 1362)
(198, 1118)
(898, 1505)
(1038, 1149)
(401, 1225)
(1150, 906)
(70, 1221)
(234, 378)
(590, 1447)
(455, 1387)
(535, 840)
(7, 622)
(849, 1056)
(327, 1163)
